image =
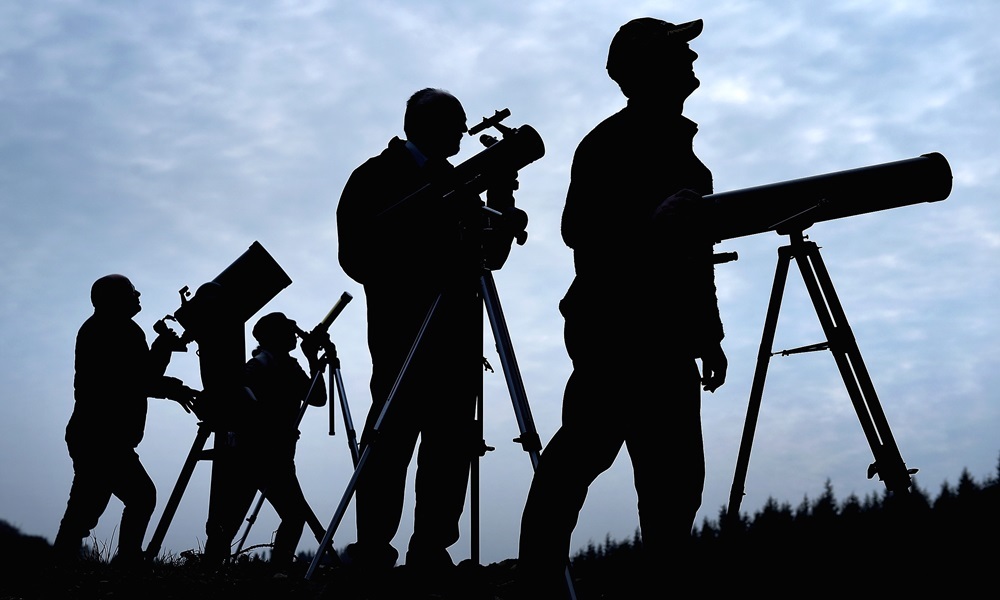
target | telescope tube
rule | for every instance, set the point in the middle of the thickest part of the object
(795, 205)
(518, 149)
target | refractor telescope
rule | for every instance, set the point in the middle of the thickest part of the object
(519, 147)
(789, 208)
(497, 163)
(797, 204)
(497, 223)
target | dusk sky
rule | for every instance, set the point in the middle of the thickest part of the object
(161, 139)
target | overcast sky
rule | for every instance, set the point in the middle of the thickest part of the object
(160, 140)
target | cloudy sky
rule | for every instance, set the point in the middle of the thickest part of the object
(160, 140)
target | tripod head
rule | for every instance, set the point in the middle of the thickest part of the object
(502, 222)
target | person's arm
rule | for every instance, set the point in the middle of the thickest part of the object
(714, 366)
(172, 388)
(310, 347)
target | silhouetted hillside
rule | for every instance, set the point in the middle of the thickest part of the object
(917, 543)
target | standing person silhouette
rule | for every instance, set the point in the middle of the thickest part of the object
(640, 311)
(116, 372)
(407, 255)
(279, 386)
(263, 444)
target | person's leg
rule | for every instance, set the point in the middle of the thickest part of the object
(447, 447)
(284, 493)
(89, 495)
(381, 484)
(450, 377)
(133, 486)
(585, 446)
(668, 462)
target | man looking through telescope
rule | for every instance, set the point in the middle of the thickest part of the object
(639, 313)
(409, 250)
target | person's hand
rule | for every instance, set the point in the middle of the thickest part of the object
(167, 339)
(678, 207)
(312, 343)
(178, 392)
(187, 398)
(713, 368)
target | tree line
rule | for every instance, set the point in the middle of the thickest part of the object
(901, 541)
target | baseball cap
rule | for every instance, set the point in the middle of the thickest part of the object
(638, 38)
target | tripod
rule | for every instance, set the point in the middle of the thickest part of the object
(205, 429)
(888, 463)
(328, 359)
(528, 439)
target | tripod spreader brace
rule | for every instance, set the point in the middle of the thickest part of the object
(888, 464)
(801, 349)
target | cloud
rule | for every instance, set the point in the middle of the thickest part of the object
(161, 139)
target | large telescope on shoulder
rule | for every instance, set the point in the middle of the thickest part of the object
(797, 204)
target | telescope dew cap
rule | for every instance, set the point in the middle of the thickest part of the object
(639, 38)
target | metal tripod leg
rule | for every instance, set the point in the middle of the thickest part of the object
(474, 505)
(841, 342)
(888, 462)
(529, 439)
(757, 388)
(338, 515)
(196, 453)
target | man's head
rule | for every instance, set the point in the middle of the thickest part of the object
(651, 57)
(276, 331)
(435, 122)
(115, 294)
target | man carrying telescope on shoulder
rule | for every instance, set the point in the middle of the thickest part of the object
(409, 251)
(640, 312)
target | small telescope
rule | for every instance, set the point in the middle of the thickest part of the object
(795, 205)
(320, 329)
